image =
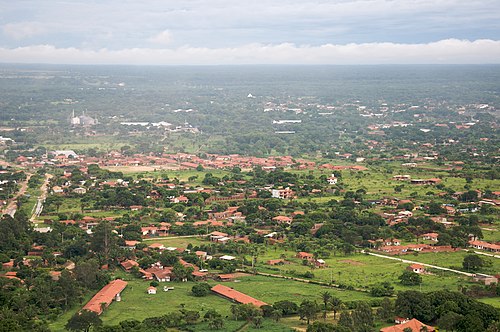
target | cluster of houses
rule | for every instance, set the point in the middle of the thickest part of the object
(172, 161)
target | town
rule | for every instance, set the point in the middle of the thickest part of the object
(299, 213)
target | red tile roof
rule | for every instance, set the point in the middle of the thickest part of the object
(414, 324)
(236, 296)
(105, 295)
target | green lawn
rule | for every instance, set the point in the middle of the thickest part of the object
(362, 271)
(137, 304)
(453, 260)
(494, 301)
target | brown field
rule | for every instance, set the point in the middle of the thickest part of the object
(351, 262)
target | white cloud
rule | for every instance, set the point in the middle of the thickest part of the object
(448, 51)
(162, 38)
(23, 30)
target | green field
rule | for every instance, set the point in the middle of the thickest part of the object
(137, 304)
(362, 271)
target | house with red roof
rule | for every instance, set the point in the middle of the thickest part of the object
(236, 296)
(413, 324)
(283, 220)
(129, 264)
(417, 268)
(482, 245)
(305, 255)
(105, 296)
(430, 236)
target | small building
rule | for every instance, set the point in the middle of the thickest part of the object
(286, 193)
(151, 290)
(105, 296)
(227, 258)
(416, 268)
(332, 180)
(319, 263)
(305, 255)
(430, 236)
(413, 325)
(276, 262)
(80, 190)
(485, 279)
(283, 220)
(236, 296)
(129, 264)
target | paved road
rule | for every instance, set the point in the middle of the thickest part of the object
(12, 205)
(428, 265)
(485, 254)
(38, 208)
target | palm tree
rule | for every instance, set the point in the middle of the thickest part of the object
(326, 297)
(337, 305)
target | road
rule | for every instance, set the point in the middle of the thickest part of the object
(12, 205)
(413, 262)
(485, 254)
(38, 208)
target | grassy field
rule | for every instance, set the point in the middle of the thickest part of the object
(137, 304)
(362, 271)
(453, 260)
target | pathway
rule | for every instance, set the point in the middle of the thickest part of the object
(38, 208)
(12, 205)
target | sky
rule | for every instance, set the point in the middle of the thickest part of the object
(214, 32)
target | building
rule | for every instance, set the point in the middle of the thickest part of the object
(482, 245)
(305, 255)
(105, 296)
(151, 290)
(332, 180)
(485, 279)
(430, 236)
(236, 296)
(286, 193)
(417, 268)
(413, 325)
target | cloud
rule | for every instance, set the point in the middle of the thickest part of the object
(448, 51)
(23, 30)
(162, 38)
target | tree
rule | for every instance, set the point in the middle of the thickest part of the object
(449, 320)
(413, 304)
(200, 289)
(409, 278)
(216, 323)
(362, 317)
(308, 310)
(286, 307)
(337, 305)
(382, 289)
(386, 310)
(470, 322)
(83, 321)
(103, 240)
(181, 272)
(68, 288)
(345, 320)
(472, 263)
(276, 315)
(326, 297)
(190, 316)
(257, 321)
(326, 327)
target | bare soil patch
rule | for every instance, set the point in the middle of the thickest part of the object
(351, 262)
